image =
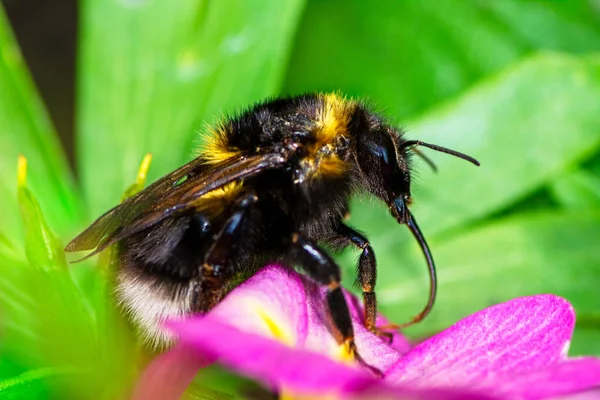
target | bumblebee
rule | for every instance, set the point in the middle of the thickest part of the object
(270, 185)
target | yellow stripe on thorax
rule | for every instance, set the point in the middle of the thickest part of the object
(333, 118)
(332, 122)
(215, 148)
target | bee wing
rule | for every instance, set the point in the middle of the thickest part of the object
(170, 196)
(123, 214)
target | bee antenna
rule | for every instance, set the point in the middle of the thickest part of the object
(428, 160)
(441, 149)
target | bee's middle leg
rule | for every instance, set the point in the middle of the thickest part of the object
(366, 275)
(218, 268)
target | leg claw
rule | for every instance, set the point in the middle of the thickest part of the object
(386, 331)
(352, 349)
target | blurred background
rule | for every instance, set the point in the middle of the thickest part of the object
(514, 83)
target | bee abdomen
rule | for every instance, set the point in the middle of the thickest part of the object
(149, 300)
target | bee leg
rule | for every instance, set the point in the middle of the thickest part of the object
(367, 273)
(321, 267)
(217, 268)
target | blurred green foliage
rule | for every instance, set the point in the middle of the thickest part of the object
(514, 83)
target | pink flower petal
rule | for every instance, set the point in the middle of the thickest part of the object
(279, 302)
(271, 303)
(399, 342)
(168, 375)
(570, 376)
(593, 394)
(269, 361)
(375, 350)
(521, 335)
(297, 371)
(390, 393)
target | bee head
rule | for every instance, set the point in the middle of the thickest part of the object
(383, 156)
(385, 165)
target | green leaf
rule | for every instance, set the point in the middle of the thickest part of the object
(28, 385)
(516, 124)
(57, 317)
(25, 129)
(51, 319)
(554, 25)
(586, 341)
(408, 56)
(594, 165)
(44, 250)
(577, 190)
(166, 69)
(526, 254)
(8, 249)
(216, 382)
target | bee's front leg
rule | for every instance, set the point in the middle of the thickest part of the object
(321, 267)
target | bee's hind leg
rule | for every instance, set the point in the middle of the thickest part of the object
(217, 268)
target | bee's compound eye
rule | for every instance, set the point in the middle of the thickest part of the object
(394, 180)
